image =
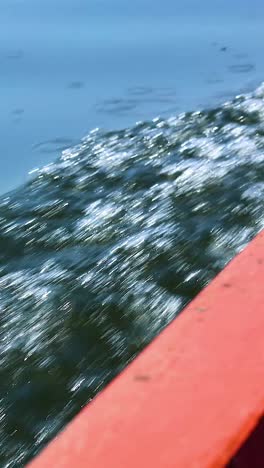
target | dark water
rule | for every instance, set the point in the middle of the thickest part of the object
(103, 248)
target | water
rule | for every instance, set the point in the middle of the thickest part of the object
(104, 246)
(67, 66)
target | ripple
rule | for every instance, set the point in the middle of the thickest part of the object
(76, 84)
(242, 68)
(137, 97)
(15, 54)
(54, 145)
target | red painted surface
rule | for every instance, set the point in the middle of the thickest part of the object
(193, 396)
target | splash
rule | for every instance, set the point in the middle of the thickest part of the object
(104, 247)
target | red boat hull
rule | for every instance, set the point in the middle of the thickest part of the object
(193, 396)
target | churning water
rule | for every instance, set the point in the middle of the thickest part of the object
(102, 249)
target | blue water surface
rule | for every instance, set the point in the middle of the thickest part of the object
(68, 66)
